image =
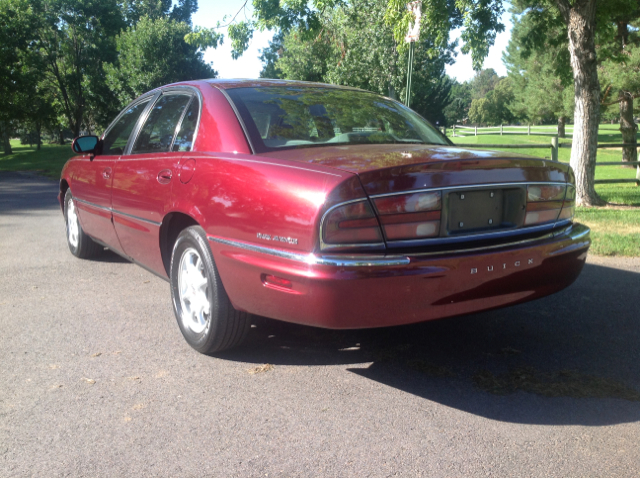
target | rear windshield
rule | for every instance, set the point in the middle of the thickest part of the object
(279, 117)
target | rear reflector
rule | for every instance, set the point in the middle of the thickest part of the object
(276, 281)
(354, 223)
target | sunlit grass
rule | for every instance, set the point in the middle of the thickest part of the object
(614, 232)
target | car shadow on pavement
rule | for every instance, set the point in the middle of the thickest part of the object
(571, 358)
(109, 256)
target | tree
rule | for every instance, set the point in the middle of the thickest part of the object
(269, 56)
(356, 47)
(582, 23)
(75, 40)
(493, 109)
(180, 11)
(458, 110)
(303, 60)
(18, 23)
(480, 111)
(151, 54)
(483, 82)
(623, 79)
(542, 79)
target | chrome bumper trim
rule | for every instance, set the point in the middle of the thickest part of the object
(574, 231)
(311, 259)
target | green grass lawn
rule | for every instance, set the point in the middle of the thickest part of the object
(614, 232)
(48, 161)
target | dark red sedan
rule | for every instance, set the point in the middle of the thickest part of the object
(315, 204)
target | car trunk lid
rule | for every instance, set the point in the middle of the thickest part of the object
(385, 169)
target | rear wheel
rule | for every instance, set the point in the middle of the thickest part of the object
(205, 315)
(80, 244)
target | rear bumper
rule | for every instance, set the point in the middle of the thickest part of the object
(374, 291)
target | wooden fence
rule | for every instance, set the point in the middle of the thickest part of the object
(547, 130)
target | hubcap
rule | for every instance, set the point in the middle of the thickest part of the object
(194, 298)
(72, 224)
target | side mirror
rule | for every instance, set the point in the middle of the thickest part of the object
(85, 144)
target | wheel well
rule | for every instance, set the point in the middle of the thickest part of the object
(64, 186)
(171, 227)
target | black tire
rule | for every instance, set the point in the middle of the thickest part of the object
(80, 244)
(223, 327)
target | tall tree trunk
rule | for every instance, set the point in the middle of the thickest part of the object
(628, 128)
(562, 121)
(581, 23)
(6, 140)
(39, 135)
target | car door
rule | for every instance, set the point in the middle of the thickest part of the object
(92, 183)
(144, 176)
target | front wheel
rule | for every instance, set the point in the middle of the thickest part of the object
(80, 244)
(204, 312)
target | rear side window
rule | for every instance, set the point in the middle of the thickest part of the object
(158, 131)
(184, 140)
(115, 141)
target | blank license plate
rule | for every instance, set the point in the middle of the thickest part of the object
(474, 210)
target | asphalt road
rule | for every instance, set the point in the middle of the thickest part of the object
(96, 380)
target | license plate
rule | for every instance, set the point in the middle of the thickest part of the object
(475, 210)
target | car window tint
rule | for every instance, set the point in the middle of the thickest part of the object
(184, 140)
(157, 133)
(115, 141)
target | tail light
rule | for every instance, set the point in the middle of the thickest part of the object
(412, 216)
(351, 224)
(548, 203)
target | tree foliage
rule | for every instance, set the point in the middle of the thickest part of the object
(75, 62)
(493, 108)
(460, 102)
(269, 56)
(542, 80)
(17, 73)
(75, 39)
(356, 47)
(151, 54)
(479, 22)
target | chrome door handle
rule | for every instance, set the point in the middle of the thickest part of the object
(106, 173)
(164, 177)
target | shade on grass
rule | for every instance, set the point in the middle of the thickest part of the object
(48, 161)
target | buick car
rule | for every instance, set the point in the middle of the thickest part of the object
(315, 204)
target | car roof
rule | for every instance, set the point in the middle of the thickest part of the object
(229, 83)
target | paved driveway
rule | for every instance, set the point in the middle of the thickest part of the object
(96, 380)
